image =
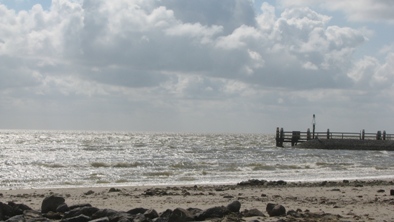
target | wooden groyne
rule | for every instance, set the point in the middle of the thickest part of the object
(296, 137)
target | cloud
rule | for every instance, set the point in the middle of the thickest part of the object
(172, 55)
(229, 15)
(130, 43)
(362, 10)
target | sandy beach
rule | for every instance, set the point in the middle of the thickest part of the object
(319, 201)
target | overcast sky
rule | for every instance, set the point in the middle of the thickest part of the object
(197, 66)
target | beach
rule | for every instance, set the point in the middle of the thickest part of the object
(308, 201)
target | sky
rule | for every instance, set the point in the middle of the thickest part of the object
(206, 66)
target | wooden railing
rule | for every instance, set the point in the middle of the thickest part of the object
(295, 137)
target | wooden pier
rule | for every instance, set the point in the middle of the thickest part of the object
(295, 137)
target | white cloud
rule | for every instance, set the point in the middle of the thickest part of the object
(310, 65)
(385, 74)
(267, 19)
(363, 70)
(194, 31)
(361, 10)
(239, 38)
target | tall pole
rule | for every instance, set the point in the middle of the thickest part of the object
(313, 123)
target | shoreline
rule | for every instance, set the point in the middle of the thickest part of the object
(122, 185)
(349, 200)
(317, 182)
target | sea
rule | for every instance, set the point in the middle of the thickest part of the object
(61, 159)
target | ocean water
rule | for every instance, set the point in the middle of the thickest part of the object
(48, 159)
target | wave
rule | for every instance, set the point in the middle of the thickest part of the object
(52, 165)
(186, 178)
(325, 164)
(102, 182)
(127, 165)
(116, 165)
(381, 168)
(158, 174)
(264, 167)
(99, 164)
(261, 166)
(334, 166)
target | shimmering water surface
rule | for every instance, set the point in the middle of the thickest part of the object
(42, 159)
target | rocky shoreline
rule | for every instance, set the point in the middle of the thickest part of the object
(348, 144)
(252, 200)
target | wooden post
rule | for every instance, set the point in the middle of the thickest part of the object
(308, 134)
(379, 135)
(328, 133)
(363, 135)
(295, 137)
(282, 137)
(313, 123)
(384, 134)
(279, 137)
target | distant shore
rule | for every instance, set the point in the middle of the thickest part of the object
(348, 144)
(313, 201)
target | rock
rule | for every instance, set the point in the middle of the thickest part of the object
(17, 209)
(180, 215)
(253, 213)
(79, 206)
(392, 192)
(194, 211)
(164, 216)
(275, 210)
(213, 212)
(17, 218)
(234, 206)
(151, 214)
(87, 211)
(252, 182)
(281, 182)
(381, 191)
(34, 216)
(62, 208)
(103, 219)
(53, 215)
(5, 211)
(294, 213)
(232, 217)
(125, 217)
(111, 190)
(136, 211)
(79, 218)
(141, 218)
(51, 203)
(90, 192)
(103, 213)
